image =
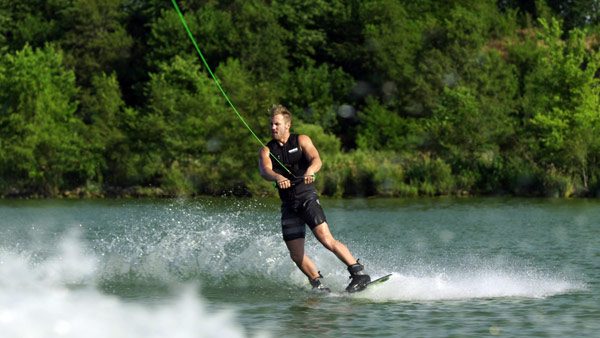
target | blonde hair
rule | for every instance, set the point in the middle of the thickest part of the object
(278, 109)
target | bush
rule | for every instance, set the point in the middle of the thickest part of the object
(432, 176)
(364, 174)
(556, 184)
(43, 144)
(522, 177)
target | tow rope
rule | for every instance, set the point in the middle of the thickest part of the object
(191, 36)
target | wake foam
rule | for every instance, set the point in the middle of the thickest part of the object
(57, 297)
(472, 285)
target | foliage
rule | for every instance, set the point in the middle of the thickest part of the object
(383, 129)
(313, 92)
(42, 141)
(402, 98)
(560, 102)
(93, 36)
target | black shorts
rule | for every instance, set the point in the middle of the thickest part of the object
(298, 213)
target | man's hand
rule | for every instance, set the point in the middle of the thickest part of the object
(284, 183)
(309, 178)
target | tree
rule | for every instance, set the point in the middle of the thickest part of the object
(108, 123)
(261, 47)
(94, 37)
(577, 13)
(306, 27)
(188, 138)
(315, 94)
(28, 22)
(212, 27)
(382, 129)
(393, 38)
(561, 102)
(43, 145)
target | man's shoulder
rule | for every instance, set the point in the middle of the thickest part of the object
(303, 138)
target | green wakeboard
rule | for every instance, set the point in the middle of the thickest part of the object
(380, 280)
(375, 282)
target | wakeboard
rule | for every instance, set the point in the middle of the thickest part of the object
(380, 280)
(376, 281)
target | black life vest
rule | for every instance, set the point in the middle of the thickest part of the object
(291, 155)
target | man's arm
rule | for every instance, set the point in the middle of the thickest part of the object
(312, 155)
(265, 166)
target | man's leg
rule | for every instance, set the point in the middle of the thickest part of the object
(324, 236)
(305, 264)
(359, 278)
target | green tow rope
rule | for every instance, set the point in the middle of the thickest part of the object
(191, 36)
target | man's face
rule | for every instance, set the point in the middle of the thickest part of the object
(279, 127)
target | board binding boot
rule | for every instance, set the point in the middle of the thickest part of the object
(360, 280)
(317, 285)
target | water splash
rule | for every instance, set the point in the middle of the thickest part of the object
(241, 247)
(58, 297)
(181, 244)
(481, 284)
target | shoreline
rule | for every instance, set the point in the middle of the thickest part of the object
(140, 192)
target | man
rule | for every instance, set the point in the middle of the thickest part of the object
(297, 161)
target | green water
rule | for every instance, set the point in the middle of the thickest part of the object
(218, 267)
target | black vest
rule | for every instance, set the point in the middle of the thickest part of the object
(291, 155)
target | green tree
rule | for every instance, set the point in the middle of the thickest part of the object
(261, 47)
(173, 127)
(561, 102)
(306, 26)
(212, 27)
(382, 129)
(244, 30)
(394, 37)
(577, 13)
(189, 139)
(94, 37)
(4, 26)
(43, 145)
(454, 50)
(28, 22)
(108, 122)
(315, 94)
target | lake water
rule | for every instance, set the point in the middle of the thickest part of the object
(218, 268)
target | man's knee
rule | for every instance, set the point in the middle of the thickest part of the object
(297, 257)
(331, 243)
(296, 249)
